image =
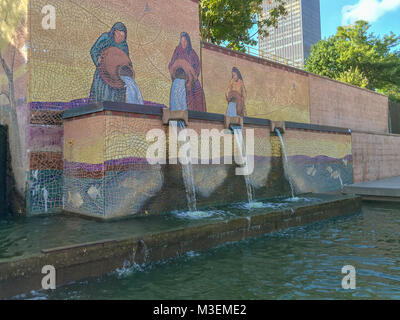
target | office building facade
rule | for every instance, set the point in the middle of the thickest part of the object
(296, 32)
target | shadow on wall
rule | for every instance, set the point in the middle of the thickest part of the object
(10, 200)
(394, 117)
(3, 169)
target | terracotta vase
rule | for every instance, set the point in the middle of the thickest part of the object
(111, 62)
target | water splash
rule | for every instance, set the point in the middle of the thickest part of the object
(258, 205)
(199, 214)
(285, 162)
(46, 198)
(128, 270)
(187, 172)
(238, 134)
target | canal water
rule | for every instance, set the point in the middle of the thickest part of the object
(299, 263)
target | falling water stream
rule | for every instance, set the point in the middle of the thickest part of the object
(238, 133)
(285, 162)
(187, 171)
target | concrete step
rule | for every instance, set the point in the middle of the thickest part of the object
(387, 189)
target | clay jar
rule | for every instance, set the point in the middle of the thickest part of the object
(111, 62)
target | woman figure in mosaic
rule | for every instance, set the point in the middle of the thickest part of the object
(186, 90)
(114, 76)
(236, 95)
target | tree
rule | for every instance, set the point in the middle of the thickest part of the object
(12, 13)
(358, 57)
(12, 38)
(231, 21)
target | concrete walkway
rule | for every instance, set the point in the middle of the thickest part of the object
(387, 189)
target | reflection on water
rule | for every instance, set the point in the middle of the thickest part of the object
(300, 263)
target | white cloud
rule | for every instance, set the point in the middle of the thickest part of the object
(369, 10)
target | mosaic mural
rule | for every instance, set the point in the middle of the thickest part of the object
(107, 173)
(319, 162)
(270, 92)
(119, 51)
(82, 55)
(145, 52)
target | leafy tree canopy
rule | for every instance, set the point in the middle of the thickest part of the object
(231, 21)
(359, 57)
(11, 14)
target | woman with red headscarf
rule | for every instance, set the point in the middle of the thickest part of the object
(185, 64)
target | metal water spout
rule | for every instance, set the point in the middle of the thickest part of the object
(281, 125)
(177, 115)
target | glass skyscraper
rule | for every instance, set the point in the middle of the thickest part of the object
(296, 32)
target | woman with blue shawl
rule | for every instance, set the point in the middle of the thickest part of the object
(100, 90)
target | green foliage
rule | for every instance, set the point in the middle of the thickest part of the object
(358, 57)
(12, 16)
(354, 76)
(392, 91)
(12, 13)
(230, 21)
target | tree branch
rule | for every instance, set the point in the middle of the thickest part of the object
(5, 67)
(255, 33)
(13, 59)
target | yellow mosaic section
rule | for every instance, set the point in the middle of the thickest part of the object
(126, 137)
(94, 140)
(84, 140)
(271, 93)
(61, 66)
(314, 144)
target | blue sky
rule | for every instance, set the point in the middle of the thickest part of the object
(383, 15)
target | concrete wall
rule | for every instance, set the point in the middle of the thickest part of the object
(337, 104)
(375, 156)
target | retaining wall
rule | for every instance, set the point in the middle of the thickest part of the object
(338, 104)
(375, 156)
